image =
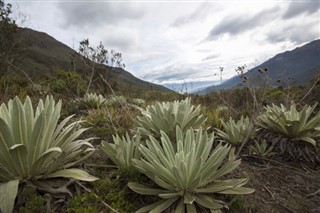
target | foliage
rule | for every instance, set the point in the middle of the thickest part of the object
(122, 151)
(166, 116)
(216, 116)
(294, 124)
(107, 121)
(84, 203)
(116, 101)
(8, 30)
(67, 82)
(99, 54)
(187, 172)
(33, 202)
(34, 146)
(236, 133)
(262, 149)
(91, 100)
(138, 102)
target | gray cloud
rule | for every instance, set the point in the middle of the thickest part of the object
(176, 72)
(210, 57)
(97, 14)
(234, 25)
(298, 8)
(198, 13)
(295, 33)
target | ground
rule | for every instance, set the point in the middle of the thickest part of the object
(280, 186)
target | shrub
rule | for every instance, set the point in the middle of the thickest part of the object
(33, 146)
(186, 172)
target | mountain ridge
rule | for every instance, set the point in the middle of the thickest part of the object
(299, 66)
(39, 54)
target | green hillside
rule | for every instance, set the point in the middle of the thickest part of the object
(39, 55)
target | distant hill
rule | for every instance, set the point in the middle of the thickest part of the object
(300, 65)
(39, 54)
(188, 87)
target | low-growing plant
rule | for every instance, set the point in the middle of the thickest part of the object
(83, 203)
(116, 101)
(187, 173)
(91, 100)
(236, 133)
(138, 102)
(262, 149)
(33, 146)
(122, 151)
(293, 124)
(166, 116)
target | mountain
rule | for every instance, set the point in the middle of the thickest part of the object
(39, 54)
(189, 87)
(296, 67)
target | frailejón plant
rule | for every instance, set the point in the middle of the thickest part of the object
(92, 100)
(166, 116)
(33, 146)
(122, 151)
(238, 132)
(187, 172)
(262, 149)
(293, 124)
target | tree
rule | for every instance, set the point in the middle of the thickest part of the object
(98, 55)
(8, 28)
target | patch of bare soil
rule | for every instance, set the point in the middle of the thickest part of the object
(280, 186)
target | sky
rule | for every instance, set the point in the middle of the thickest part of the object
(170, 42)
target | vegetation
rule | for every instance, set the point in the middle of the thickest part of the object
(294, 124)
(91, 100)
(236, 133)
(8, 29)
(166, 116)
(122, 151)
(262, 149)
(34, 146)
(186, 173)
(153, 151)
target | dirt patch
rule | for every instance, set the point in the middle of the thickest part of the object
(280, 186)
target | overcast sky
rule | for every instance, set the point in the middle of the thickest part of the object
(180, 41)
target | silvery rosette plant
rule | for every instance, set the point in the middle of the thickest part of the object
(293, 124)
(92, 100)
(122, 150)
(116, 101)
(34, 146)
(262, 149)
(187, 172)
(236, 133)
(166, 116)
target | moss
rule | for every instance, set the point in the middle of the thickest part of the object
(84, 203)
(238, 205)
(33, 203)
(116, 193)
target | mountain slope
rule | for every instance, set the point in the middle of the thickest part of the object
(39, 54)
(300, 65)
